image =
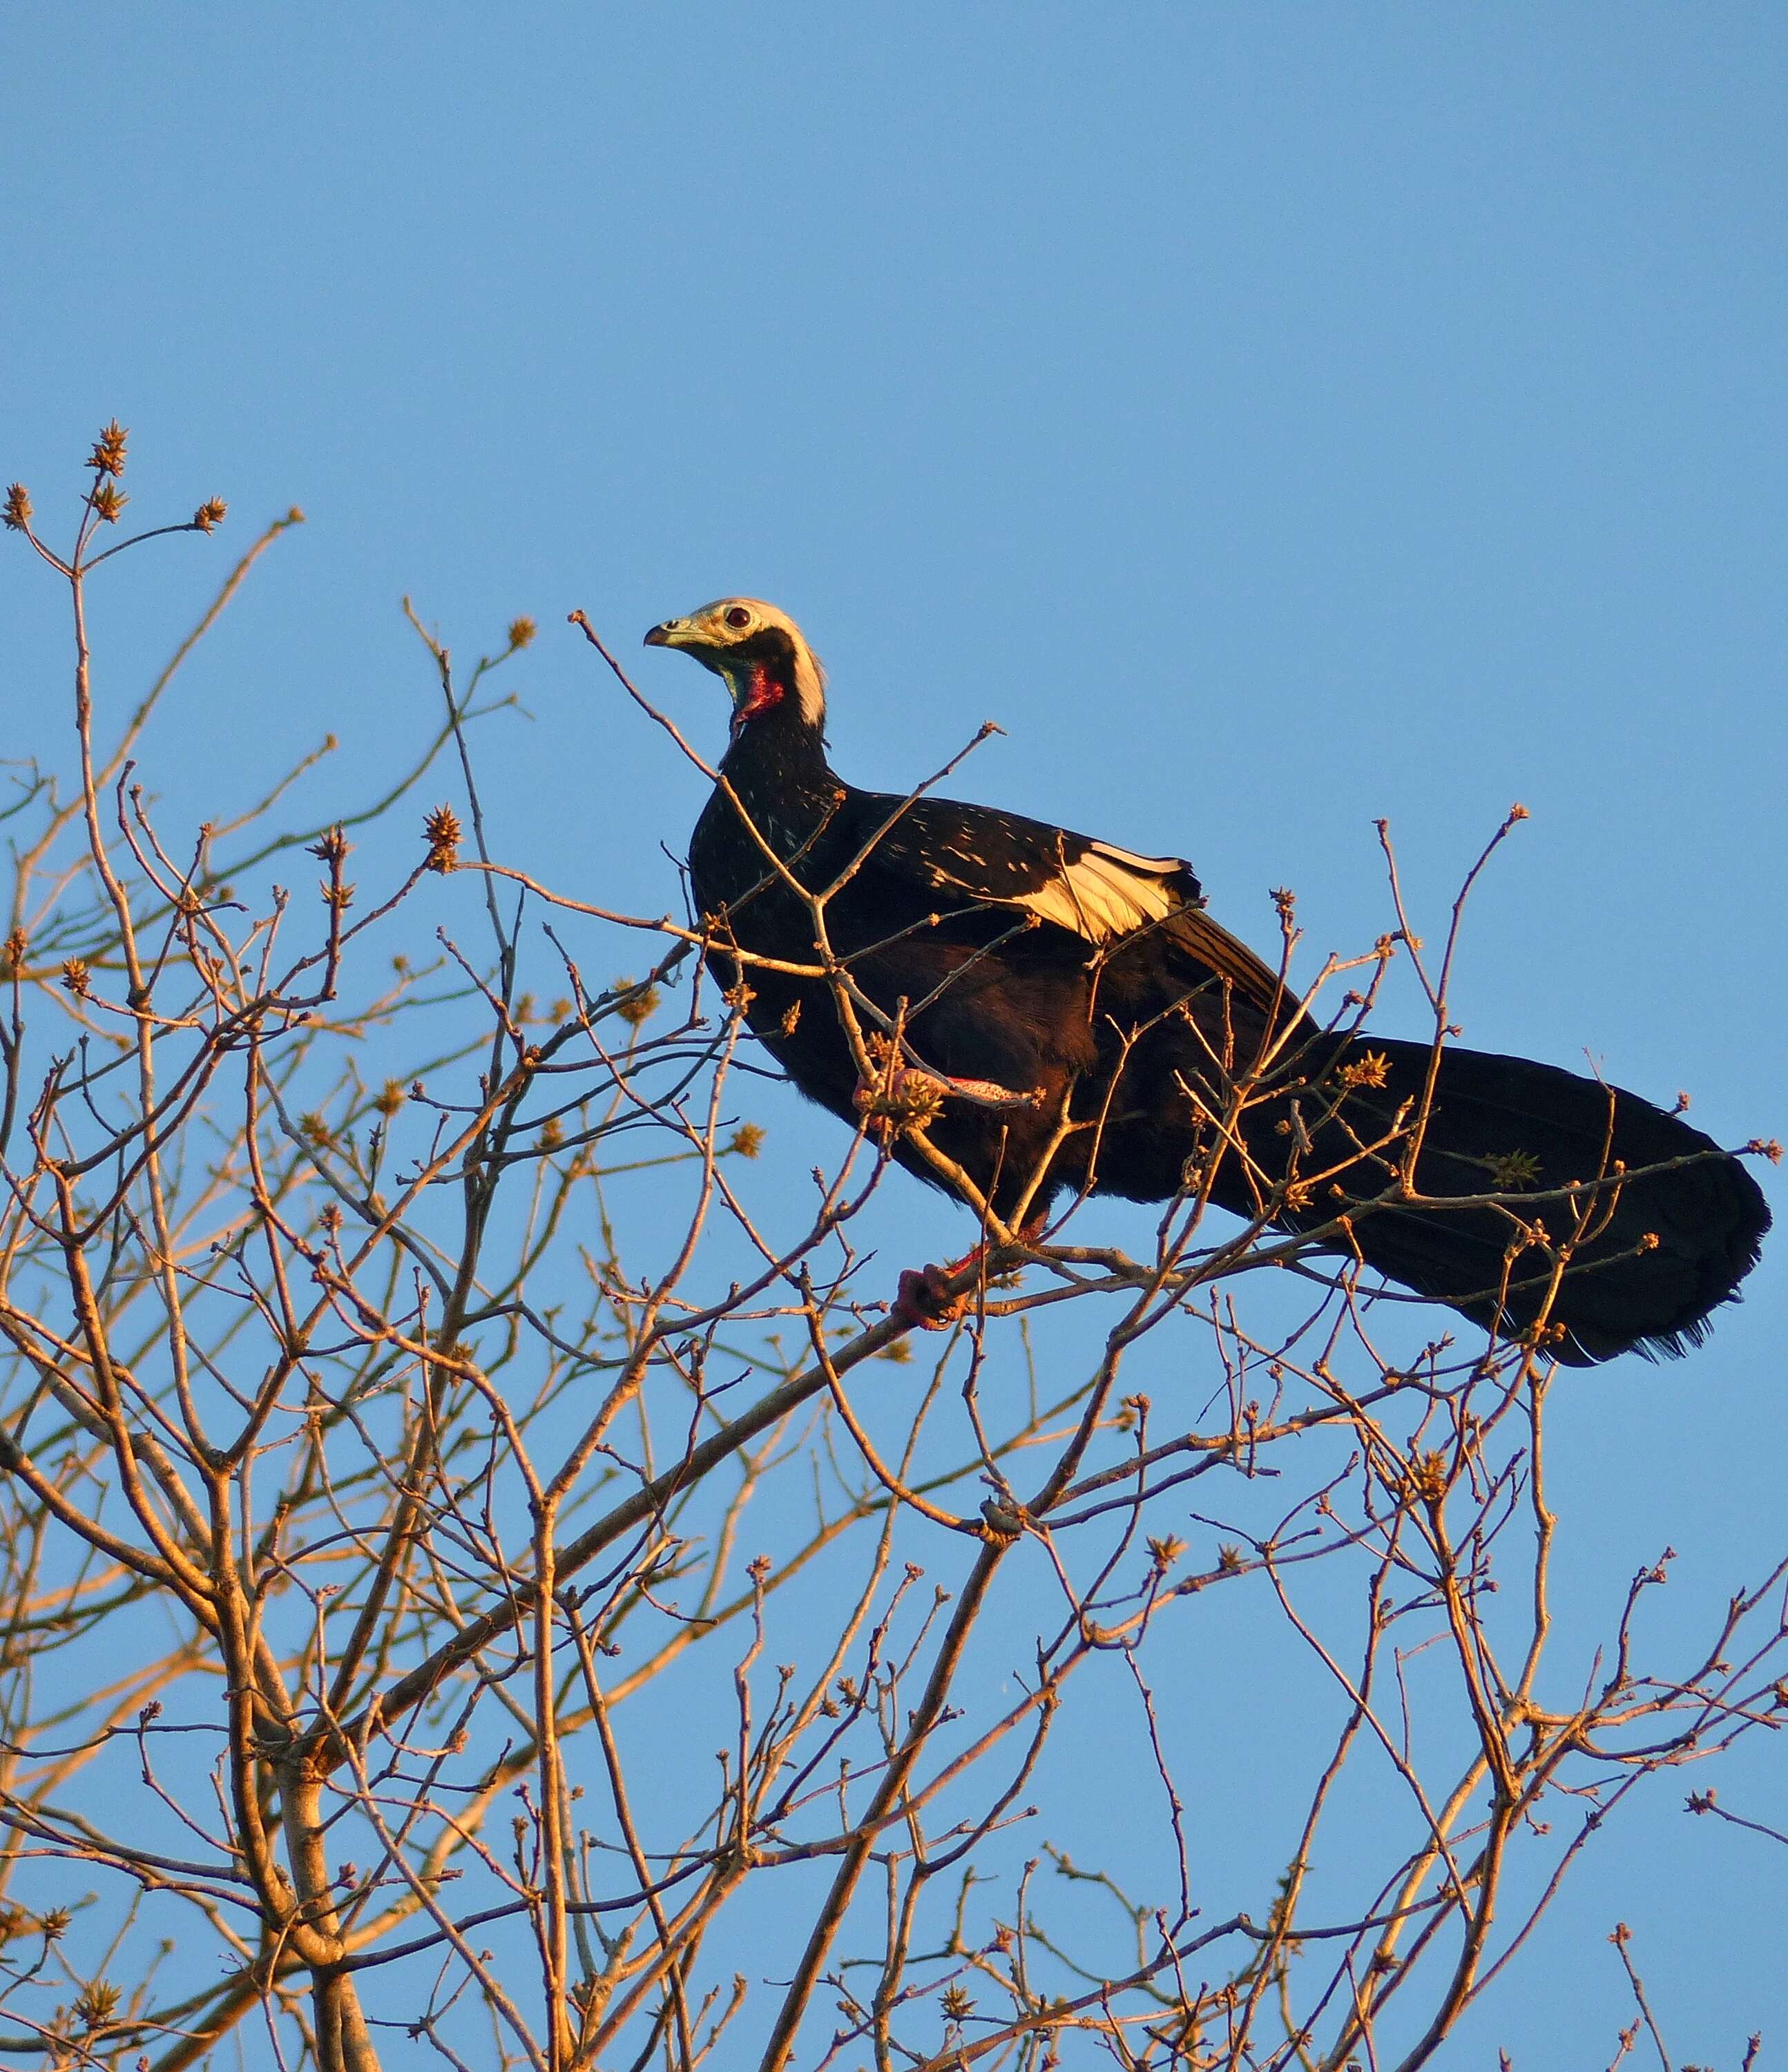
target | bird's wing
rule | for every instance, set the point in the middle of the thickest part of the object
(1091, 888)
(1198, 937)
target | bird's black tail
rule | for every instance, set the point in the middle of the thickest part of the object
(1630, 1258)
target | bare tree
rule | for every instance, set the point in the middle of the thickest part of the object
(432, 1432)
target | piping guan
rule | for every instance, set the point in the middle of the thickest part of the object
(1058, 1013)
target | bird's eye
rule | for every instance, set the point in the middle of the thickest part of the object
(739, 616)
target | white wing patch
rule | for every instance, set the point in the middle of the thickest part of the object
(1150, 866)
(1108, 892)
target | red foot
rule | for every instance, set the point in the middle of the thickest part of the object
(923, 1300)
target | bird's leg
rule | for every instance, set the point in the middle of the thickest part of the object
(901, 1097)
(924, 1299)
(986, 1093)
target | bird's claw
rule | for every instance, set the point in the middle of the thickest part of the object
(923, 1301)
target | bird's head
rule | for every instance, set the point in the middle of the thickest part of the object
(759, 653)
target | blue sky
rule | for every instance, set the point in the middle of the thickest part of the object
(1274, 419)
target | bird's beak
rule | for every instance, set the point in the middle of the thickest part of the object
(671, 633)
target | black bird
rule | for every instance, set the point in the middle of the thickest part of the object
(1059, 1013)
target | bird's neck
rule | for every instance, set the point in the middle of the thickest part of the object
(778, 746)
(777, 772)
